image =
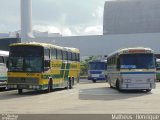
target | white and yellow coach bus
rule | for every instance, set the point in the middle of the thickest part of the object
(132, 69)
(42, 66)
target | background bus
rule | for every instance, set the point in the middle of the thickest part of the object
(97, 70)
(132, 68)
(41, 66)
(158, 69)
(3, 69)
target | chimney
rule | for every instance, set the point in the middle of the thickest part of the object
(26, 17)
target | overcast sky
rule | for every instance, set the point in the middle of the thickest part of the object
(68, 17)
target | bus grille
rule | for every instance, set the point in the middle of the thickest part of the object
(23, 80)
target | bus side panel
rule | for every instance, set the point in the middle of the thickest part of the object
(57, 73)
(74, 71)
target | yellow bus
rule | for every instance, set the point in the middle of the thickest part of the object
(42, 66)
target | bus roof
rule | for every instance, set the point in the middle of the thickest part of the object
(46, 45)
(133, 50)
(105, 61)
(4, 53)
(72, 49)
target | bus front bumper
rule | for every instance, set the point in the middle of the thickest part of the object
(137, 86)
(96, 78)
(24, 86)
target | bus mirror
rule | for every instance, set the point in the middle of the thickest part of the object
(47, 63)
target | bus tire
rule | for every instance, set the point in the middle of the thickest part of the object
(20, 91)
(49, 85)
(94, 81)
(117, 85)
(70, 82)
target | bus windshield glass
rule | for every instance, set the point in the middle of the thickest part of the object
(97, 66)
(26, 59)
(137, 61)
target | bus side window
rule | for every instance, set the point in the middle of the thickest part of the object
(118, 63)
(46, 54)
(65, 55)
(77, 57)
(69, 56)
(59, 54)
(53, 53)
(73, 56)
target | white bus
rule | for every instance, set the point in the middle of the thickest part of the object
(3, 68)
(132, 69)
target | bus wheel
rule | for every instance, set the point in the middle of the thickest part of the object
(49, 86)
(70, 82)
(94, 81)
(117, 84)
(20, 91)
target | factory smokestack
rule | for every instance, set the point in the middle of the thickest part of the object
(26, 17)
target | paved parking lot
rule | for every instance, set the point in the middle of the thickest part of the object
(85, 97)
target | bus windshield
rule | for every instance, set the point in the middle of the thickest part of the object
(26, 59)
(25, 64)
(97, 66)
(137, 61)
